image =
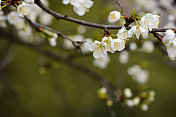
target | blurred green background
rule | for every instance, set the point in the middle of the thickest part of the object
(29, 90)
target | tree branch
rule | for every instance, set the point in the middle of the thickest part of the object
(90, 24)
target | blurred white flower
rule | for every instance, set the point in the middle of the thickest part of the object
(114, 16)
(12, 17)
(29, 1)
(166, 3)
(79, 6)
(19, 24)
(146, 4)
(138, 74)
(133, 46)
(23, 9)
(129, 103)
(127, 92)
(66, 1)
(68, 45)
(85, 46)
(45, 19)
(170, 42)
(81, 29)
(123, 57)
(148, 46)
(101, 62)
(2, 20)
(53, 42)
(144, 107)
(151, 96)
(136, 101)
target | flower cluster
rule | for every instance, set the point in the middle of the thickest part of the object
(80, 7)
(170, 42)
(15, 18)
(141, 100)
(138, 74)
(140, 27)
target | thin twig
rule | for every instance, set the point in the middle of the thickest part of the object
(119, 5)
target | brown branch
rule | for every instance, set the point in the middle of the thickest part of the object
(90, 24)
(40, 27)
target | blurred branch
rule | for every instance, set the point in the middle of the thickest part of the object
(119, 5)
(66, 59)
(40, 27)
(7, 60)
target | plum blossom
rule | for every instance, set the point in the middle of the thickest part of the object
(101, 62)
(23, 9)
(114, 16)
(123, 57)
(119, 44)
(85, 46)
(127, 92)
(133, 46)
(139, 75)
(29, 1)
(151, 21)
(148, 46)
(146, 24)
(109, 44)
(98, 49)
(2, 20)
(52, 40)
(123, 33)
(170, 42)
(80, 7)
(138, 30)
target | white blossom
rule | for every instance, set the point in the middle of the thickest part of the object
(81, 29)
(53, 42)
(133, 46)
(114, 16)
(123, 57)
(151, 21)
(119, 44)
(144, 107)
(12, 17)
(85, 46)
(127, 92)
(139, 75)
(45, 19)
(109, 44)
(138, 30)
(101, 62)
(148, 46)
(129, 103)
(29, 1)
(170, 42)
(23, 9)
(123, 33)
(2, 20)
(66, 1)
(136, 101)
(98, 49)
(19, 24)
(79, 6)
